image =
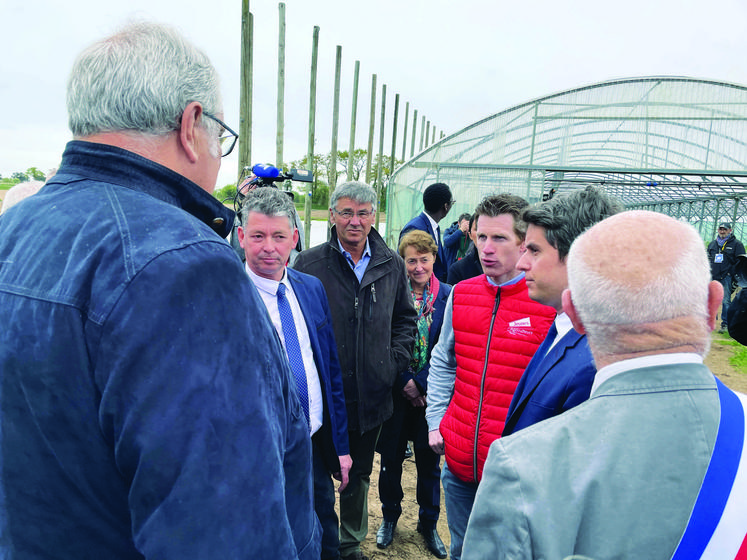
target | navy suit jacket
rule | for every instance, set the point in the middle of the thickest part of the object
(421, 222)
(467, 267)
(552, 383)
(312, 298)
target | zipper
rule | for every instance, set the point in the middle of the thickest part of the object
(373, 300)
(482, 380)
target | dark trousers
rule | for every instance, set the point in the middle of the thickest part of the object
(324, 505)
(726, 282)
(427, 463)
(354, 499)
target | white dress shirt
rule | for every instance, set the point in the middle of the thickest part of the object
(268, 291)
(562, 325)
(434, 225)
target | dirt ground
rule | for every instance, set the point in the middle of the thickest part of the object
(408, 543)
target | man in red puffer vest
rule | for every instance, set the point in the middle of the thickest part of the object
(490, 332)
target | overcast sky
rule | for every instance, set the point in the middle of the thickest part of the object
(456, 62)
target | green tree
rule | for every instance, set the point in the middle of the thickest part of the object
(320, 169)
(36, 174)
(225, 194)
(386, 174)
(20, 176)
(359, 164)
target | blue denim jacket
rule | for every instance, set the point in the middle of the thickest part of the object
(146, 407)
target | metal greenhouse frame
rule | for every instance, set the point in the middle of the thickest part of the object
(673, 145)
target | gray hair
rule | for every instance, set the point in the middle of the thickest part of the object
(608, 302)
(270, 202)
(140, 79)
(565, 217)
(356, 191)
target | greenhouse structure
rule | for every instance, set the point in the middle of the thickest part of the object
(667, 144)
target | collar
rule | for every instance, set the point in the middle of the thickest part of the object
(563, 324)
(366, 250)
(514, 280)
(434, 225)
(110, 164)
(267, 285)
(607, 372)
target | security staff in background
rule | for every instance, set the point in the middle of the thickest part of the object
(722, 254)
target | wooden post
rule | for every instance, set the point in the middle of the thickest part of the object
(351, 149)
(427, 133)
(371, 123)
(312, 129)
(404, 133)
(393, 157)
(414, 132)
(422, 132)
(245, 92)
(281, 87)
(380, 163)
(335, 123)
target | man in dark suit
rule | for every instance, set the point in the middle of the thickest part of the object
(468, 266)
(297, 304)
(437, 202)
(562, 369)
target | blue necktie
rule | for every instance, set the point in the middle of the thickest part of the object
(551, 334)
(293, 348)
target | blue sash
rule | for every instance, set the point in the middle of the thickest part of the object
(713, 512)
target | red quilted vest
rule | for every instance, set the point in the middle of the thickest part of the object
(493, 346)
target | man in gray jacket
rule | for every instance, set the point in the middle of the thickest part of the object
(618, 476)
(374, 324)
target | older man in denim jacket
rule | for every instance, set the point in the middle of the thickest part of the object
(145, 410)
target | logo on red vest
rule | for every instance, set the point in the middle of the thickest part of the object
(521, 327)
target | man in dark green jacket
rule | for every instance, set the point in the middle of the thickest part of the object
(374, 324)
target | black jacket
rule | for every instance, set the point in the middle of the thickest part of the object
(467, 267)
(727, 254)
(374, 324)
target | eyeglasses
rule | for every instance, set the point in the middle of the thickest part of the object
(348, 214)
(228, 139)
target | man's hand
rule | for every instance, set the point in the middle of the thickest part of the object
(436, 441)
(342, 475)
(410, 391)
(412, 394)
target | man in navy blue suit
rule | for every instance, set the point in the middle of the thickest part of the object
(562, 370)
(437, 202)
(267, 235)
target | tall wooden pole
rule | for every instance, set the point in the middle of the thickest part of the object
(394, 155)
(281, 87)
(414, 132)
(427, 133)
(351, 149)
(245, 92)
(404, 133)
(422, 132)
(335, 122)
(312, 129)
(380, 163)
(371, 124)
